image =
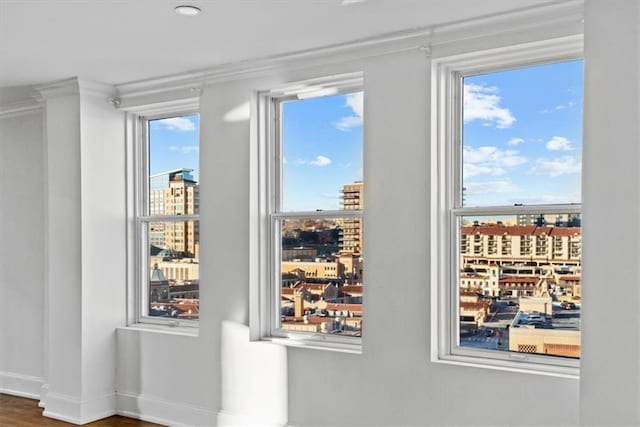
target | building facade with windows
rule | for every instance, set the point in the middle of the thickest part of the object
(351, 232)
(175, 193)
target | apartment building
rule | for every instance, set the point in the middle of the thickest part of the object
(175, 193)
(351, 234)
(513, 244)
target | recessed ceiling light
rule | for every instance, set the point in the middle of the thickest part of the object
(187, 10)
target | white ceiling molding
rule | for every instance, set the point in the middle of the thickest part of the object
(76, 86)
(553, 20)
(20, 107)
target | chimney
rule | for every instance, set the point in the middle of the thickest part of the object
(298, 304)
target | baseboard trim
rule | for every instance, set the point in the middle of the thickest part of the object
(228, 419)
(72, 410)
(161, 411)
(20, 385)
(44, 390)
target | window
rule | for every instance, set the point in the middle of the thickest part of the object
(507, 257)
(311, 237)
(166, 216)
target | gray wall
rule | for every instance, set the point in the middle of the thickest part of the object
(22, 241)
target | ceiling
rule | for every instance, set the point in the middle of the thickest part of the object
(119, 41)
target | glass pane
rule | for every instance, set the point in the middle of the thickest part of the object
(321, 272)
(522, 136)
(321, 150)
(173, 166)
(520, 283)
(174, 269)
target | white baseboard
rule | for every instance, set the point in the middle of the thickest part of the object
(72, 410)
(20, 385)
(44, 390)
(227, 419)
(161, 411)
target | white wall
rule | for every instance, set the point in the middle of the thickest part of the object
(610, 386)
(22, 242)
(393, 382)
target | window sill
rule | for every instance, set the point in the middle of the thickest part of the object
(317, 343)
(510, 366)
(168, 329)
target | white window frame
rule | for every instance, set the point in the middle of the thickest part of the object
(138, 209)
(446, 203)
(266, 210)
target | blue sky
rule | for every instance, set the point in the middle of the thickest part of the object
(322, 147)
(522, 141)
(322, 150)
(174, 144)
(522, 136)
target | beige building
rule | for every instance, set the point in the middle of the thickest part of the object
(179, 271)
(512, 244)
(313, 269)
(175, 193)
(558, 342)
(351, 236)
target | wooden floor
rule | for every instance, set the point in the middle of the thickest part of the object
(21, 412)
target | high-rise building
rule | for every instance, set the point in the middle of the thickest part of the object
(351, 235)
(175, 193)
(561, 220)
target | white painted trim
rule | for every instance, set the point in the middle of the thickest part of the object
(72, 410)
(551, 17)
(18, 108)
(44, 391)
(20, 385)
(163, 411)
(228, 419)
(445, 176)
(265, 204)
(76, 86)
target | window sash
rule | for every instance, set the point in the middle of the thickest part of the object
(269, 135)
(142, 290)
(141, 201)
(447, 209)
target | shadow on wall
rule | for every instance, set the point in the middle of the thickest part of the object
(254, 380)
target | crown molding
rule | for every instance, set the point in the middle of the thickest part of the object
(567, 15)
(20, 107)
(557, 18)
(75, 86)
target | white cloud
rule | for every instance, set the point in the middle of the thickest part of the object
(556, 167)
(559, 143)
(355, 101)
(470, 170)
(489, 160)
(515, 141)
(490, 187)
(483, 103)
(185, 149)
(569, 104)
(320, 161)
(179, 124)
